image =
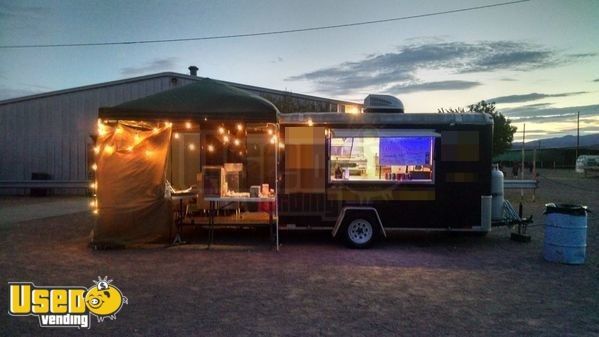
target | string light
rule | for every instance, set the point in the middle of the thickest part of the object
(191, 146)
(210, 148)
(239, 127)
(226, 139)
(108, 149)
(270, 132)
(92, 185)
(92, 203)
(273, 139)
(221, 130)
(168, 124)
(96, 149)
(176, 135)
(310, 123)
(236, 142)
(101, 130)
(94, 167)
(95, 211)
(188, 125)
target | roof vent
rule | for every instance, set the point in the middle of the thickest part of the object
(193, 70)
(382, 103)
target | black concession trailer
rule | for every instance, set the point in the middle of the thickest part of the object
(363, 175)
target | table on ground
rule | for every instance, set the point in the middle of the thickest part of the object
(271, 207)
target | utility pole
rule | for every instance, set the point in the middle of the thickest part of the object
(577, 135)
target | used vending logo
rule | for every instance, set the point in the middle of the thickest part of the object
(66, 307)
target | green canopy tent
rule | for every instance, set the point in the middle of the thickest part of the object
(131, 154)
(205, 99)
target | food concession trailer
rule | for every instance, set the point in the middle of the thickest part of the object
(363, 175)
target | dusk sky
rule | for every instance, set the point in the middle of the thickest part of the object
(538, 60)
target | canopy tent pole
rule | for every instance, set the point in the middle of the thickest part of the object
(277, 187)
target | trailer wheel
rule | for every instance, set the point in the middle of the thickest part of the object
(360, 231)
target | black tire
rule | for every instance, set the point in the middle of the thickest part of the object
(359, 230)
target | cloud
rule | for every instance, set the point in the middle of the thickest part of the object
(534, 114)
(531, 97)
(400, 68)
(508, 79)
(10, 11)
(278, 59)
(582, 55)
(596, 80)
(432, 86)
(8, 93)
(155, 66)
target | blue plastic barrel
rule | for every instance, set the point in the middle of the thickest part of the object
(565, 233)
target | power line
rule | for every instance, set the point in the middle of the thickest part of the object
(277, 32)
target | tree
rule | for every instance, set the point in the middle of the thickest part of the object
(503, 131)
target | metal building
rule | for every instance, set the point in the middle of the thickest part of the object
(49, 135)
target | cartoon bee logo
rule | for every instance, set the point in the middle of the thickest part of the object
(104, 299)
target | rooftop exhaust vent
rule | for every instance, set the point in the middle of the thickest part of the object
(382, 103)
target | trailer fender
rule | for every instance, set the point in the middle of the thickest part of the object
(349, 209)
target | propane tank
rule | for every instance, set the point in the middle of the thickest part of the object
(497, 192)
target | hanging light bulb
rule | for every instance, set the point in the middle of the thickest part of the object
(221, 130)
(236, 142)
(210, 148)
(226, 139)
(92, 185)
(176, 135)
(239, 127)
(96, 149)
(310, 123)
(188, 125)
(191, 146)
(92, 203)
(95, 211)
(94, 166)
(108, 149)
(168, 124)
(270, 132)
(273, 139)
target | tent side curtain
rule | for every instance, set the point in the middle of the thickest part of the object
(130, 183)
(204, 99)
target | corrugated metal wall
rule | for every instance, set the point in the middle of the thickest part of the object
(52, 134)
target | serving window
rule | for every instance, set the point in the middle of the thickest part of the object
(382, 156)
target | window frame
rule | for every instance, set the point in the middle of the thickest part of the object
(382, 133)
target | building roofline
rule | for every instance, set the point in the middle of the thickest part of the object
(171, 74)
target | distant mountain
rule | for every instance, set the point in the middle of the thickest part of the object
(561, 142)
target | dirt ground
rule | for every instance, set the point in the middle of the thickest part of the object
(413, 285)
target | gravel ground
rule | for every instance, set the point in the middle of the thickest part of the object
(422, 285)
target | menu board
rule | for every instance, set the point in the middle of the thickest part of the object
(405, 150)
